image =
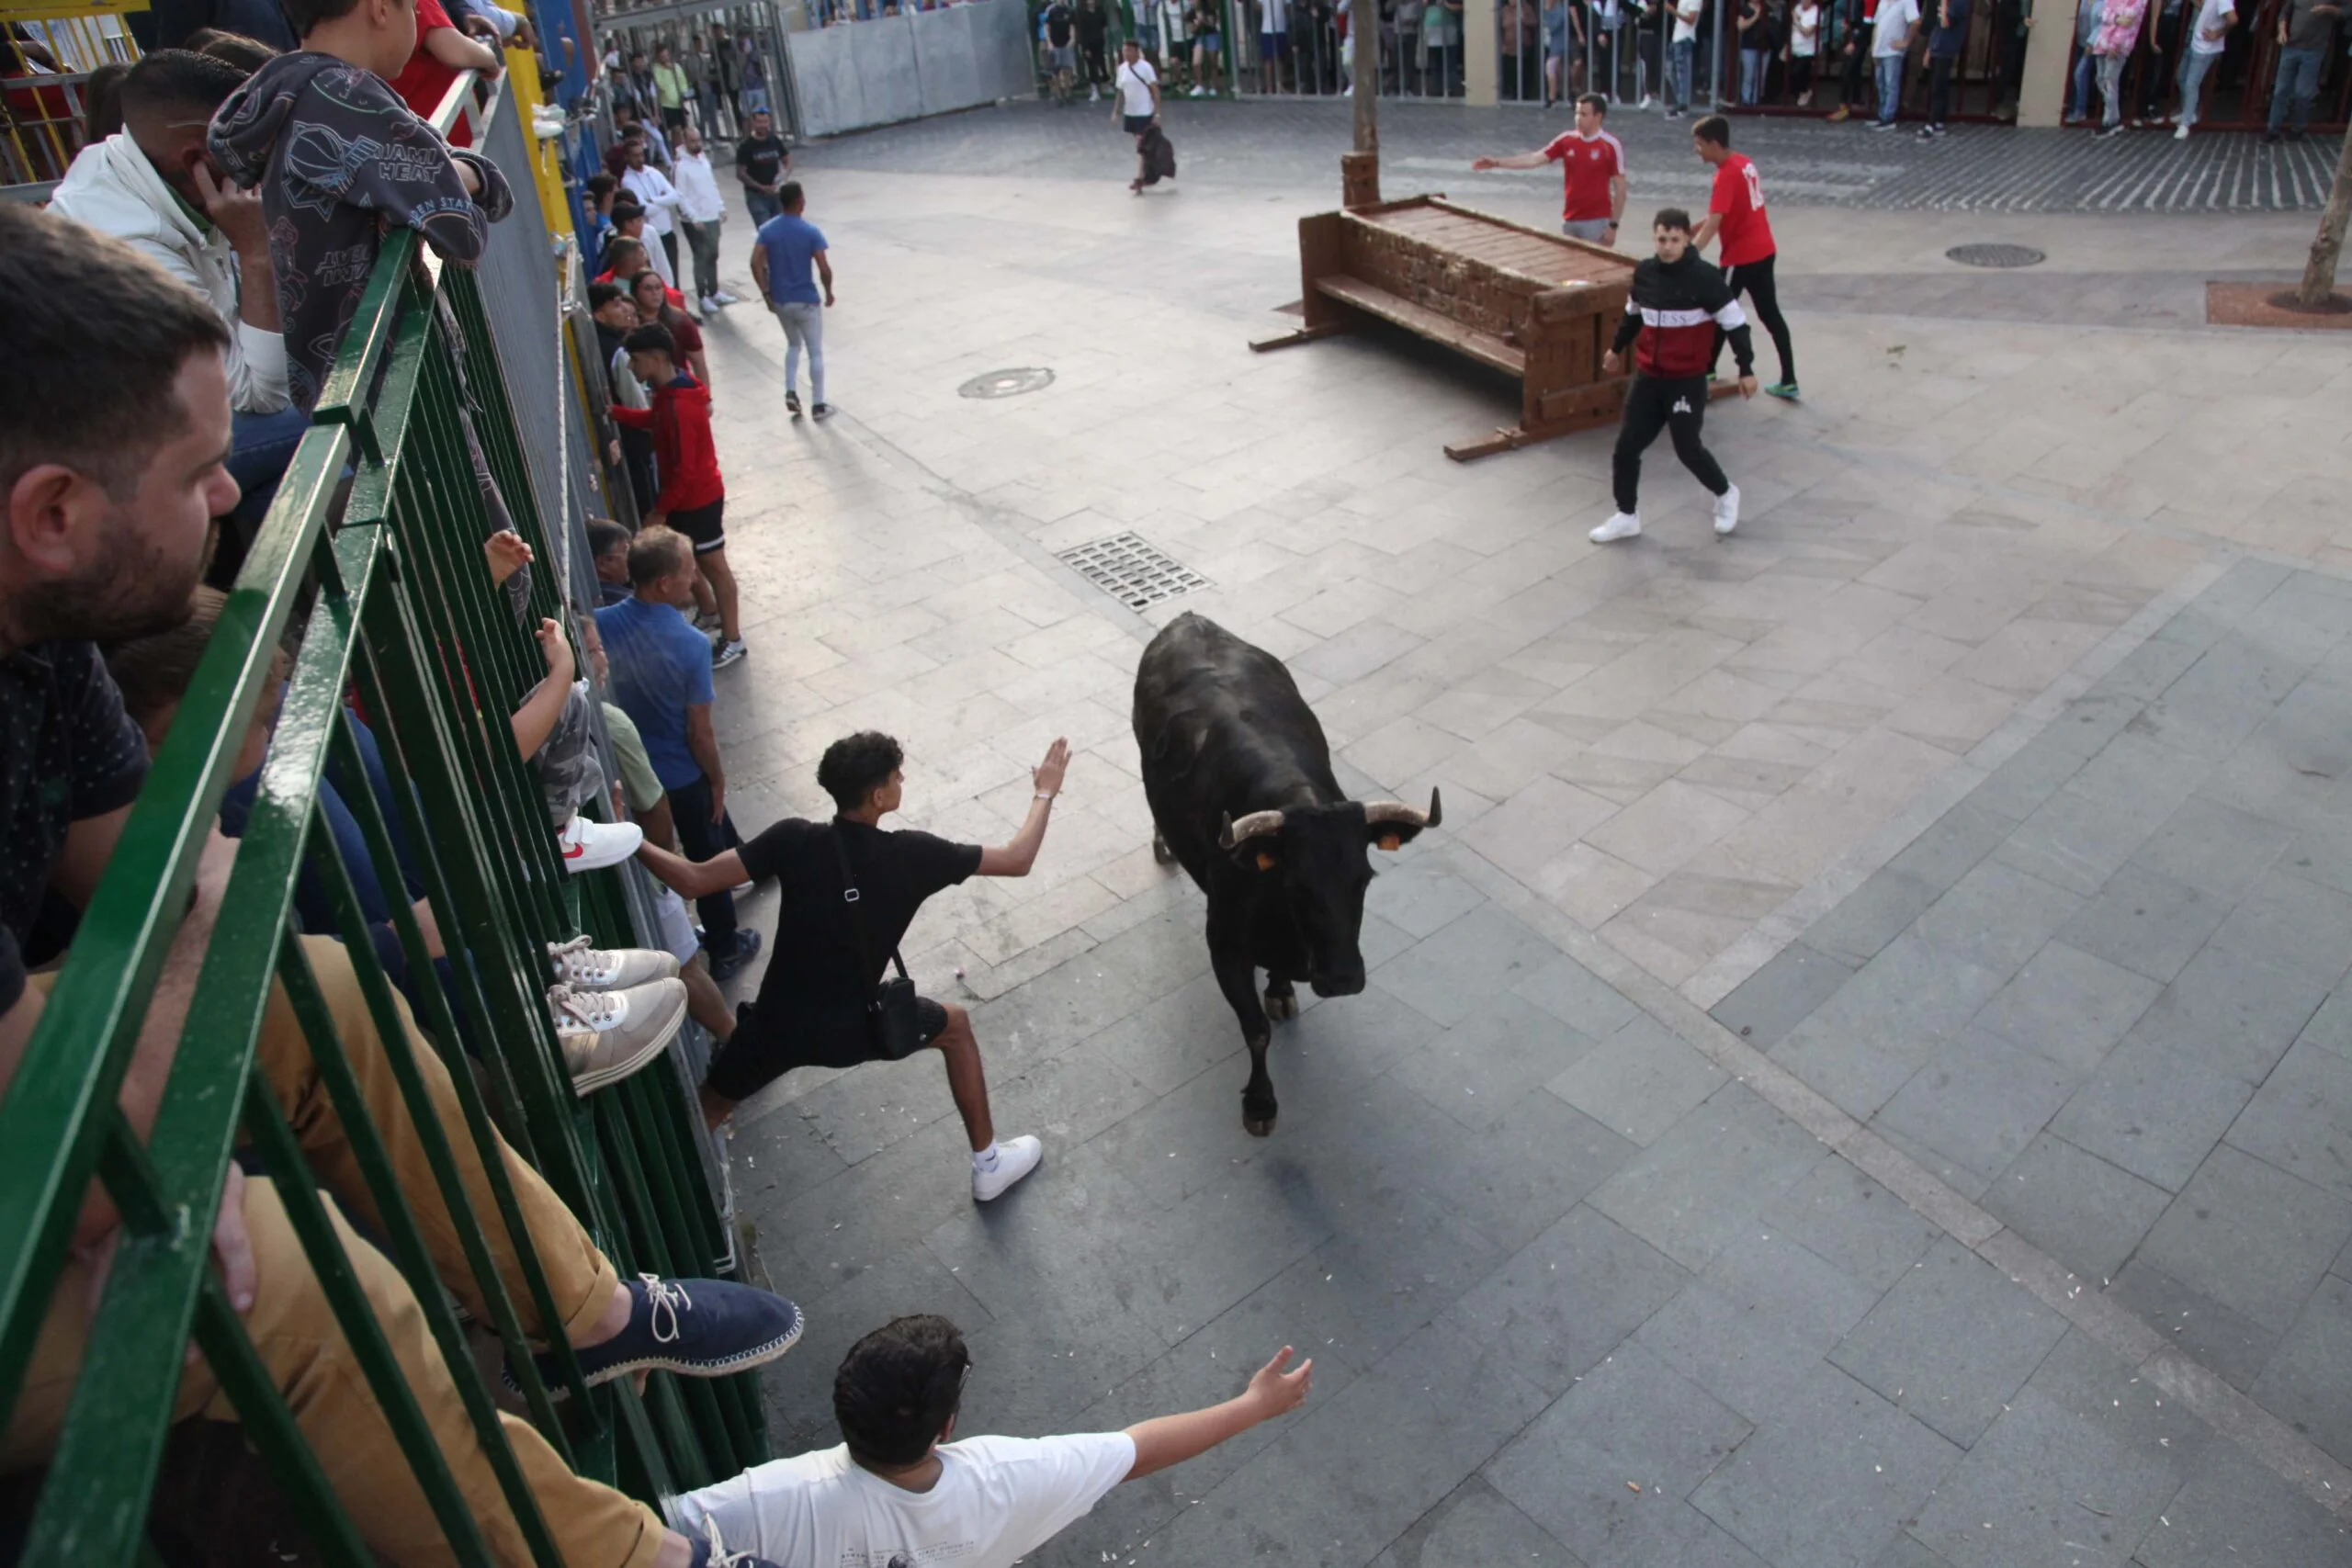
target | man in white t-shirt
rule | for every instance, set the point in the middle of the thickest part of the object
(2208, 36)
(898, 1491)
(1897, 21)
(1136, 87)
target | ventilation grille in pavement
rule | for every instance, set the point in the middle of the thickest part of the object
(1132, 572)
(1995, 256)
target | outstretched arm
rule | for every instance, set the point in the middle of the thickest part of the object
(1535, 160)
(1015, 858)
(692, 879)
(1171, 1439)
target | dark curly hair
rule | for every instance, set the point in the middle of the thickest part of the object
(898, 1387)
(856, 765)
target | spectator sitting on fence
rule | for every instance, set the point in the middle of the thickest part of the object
(153, 185)
(816, 1000)
(903, 1488)
(107, 479)
(652, 297)
(660, 678)
(608, 1031)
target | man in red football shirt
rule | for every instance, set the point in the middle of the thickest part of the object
(1592, 165)
(1735, 213)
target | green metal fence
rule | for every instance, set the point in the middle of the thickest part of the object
(394, 607)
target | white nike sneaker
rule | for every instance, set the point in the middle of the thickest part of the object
(586, 968)
(1016, 1157)
(1621, 525)
(592, 846)
(1728, 510)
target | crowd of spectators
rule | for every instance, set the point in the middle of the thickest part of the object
(203, 270)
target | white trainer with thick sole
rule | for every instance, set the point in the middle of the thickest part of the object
(1016, 1157)
(1621, 525)
(1728, 510)
(586, 968)
(608, 1035)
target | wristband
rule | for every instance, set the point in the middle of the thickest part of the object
(1041, 794)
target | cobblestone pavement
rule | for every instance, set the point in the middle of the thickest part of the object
(1976, 168)
(1867, 989)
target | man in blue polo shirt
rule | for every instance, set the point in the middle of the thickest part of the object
(788, 251)
(661, 670)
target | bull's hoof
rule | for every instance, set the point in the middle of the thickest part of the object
(1159, 849)
(1256, 1128)
(1281, 1003)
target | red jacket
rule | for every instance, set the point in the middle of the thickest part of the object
(680, 421)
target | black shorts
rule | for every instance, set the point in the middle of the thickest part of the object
(1136, 124)
(831, 1037)
(705, 526)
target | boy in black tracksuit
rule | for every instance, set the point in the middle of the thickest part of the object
(1678, 305)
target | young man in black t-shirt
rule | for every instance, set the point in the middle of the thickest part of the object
(761, 163)
(823, 969)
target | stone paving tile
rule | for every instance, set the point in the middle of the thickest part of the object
(1475, 1524)
(1763, 1315)
(1695, 1190)
(2234, 1511)
(1605, 1469)
(2153, 1110)
(1951, 1342)
(2309, 1382)
(1639, 1082)
(2301, 1118)
(1971, 1112)
(1831, 1481)
(2250, 1236)
(1842, 1215)
(2085, 1212)
(2068, 1006)
(1777, 997)
(1569, 1297)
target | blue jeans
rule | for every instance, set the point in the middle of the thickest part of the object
(260, 446)
(1751, 74)
(762, 207)
(2193, 66)
(2078, 101)
(1888, 68)
(1678, 73)
(2297, 84)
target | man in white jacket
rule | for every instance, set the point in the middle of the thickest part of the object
(701, 210)
(155, 186)
(660, 198)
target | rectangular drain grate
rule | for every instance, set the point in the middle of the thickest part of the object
(1132, 572)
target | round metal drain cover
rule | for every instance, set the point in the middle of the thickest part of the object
(1995, 256)
(1006, 383)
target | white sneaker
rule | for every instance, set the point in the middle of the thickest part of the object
(1621, 525)
(592, 846)
(2181, 134)
(707, 304)
(723, 297)
(1016, 1157)
(608, 1035)
(587, 968)
(1198, 93)
(1728, 510)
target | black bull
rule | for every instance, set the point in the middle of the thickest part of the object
(1239, 780)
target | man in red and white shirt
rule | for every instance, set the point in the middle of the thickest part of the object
(1735, 215)
(1592, 166)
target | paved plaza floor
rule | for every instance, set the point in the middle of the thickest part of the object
(1858, 1079)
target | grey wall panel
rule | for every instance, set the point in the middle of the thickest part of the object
(899, 68)
(945, 57)
(884, 49)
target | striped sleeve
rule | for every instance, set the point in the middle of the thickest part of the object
(1731, 315)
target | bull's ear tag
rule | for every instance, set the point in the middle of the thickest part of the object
(1392, 842)
(1265, 861)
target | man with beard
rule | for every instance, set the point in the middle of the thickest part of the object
(108, 480)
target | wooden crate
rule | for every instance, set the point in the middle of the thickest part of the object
(1538, 307)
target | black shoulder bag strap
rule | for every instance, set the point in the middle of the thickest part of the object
(890, 1011)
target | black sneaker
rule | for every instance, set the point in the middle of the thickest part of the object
(821, 410)
(2106, 130)
(2271, 138)
(723, 965)
(792, 402)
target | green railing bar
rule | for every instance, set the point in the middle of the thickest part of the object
(270, 1427)
(63, 1099)
(443, 1027)
(342, 395)
(307, 1212)
(392, 1211)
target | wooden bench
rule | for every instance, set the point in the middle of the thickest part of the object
(1536, 307)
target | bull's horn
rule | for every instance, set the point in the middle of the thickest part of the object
(1398, 811)
(1249, 827)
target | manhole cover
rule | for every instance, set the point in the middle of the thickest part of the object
(1995, 256)
(1132, 572)
(1006, 383)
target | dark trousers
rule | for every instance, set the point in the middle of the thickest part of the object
(702, 240)
(1940, 70)
(1755, 280)
(701, 838)
(1857, 65)
(2153, 77)
(1679, 407)
(669, 243)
